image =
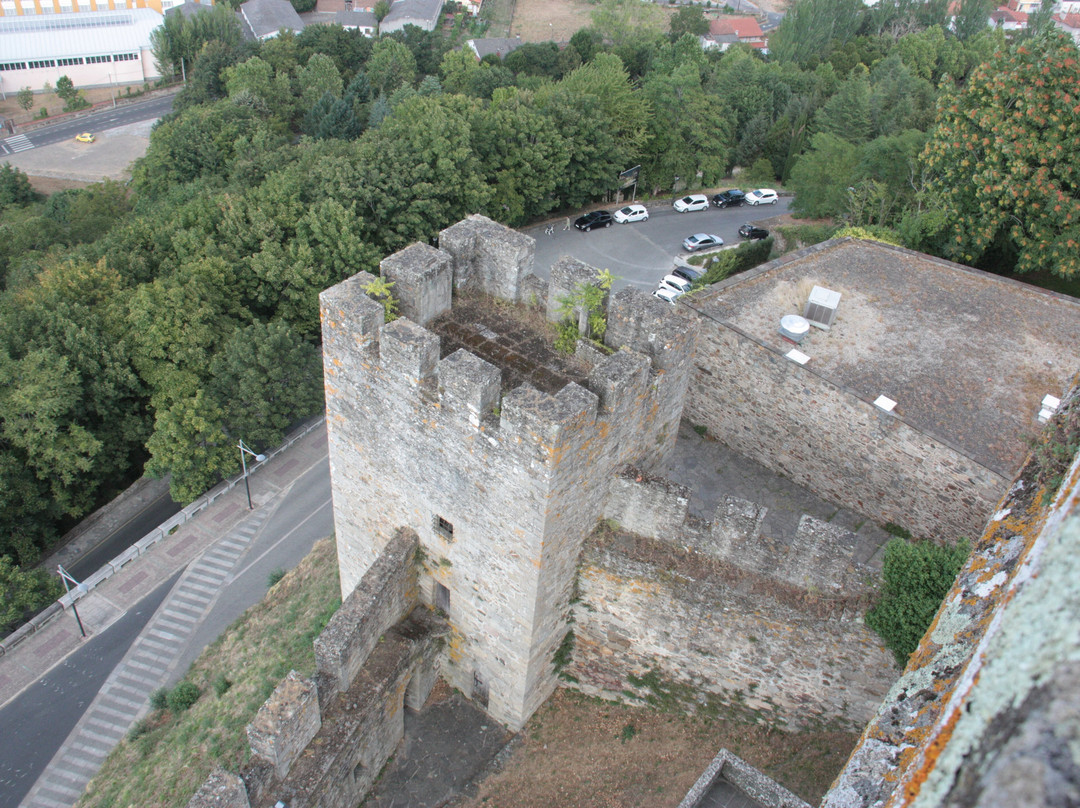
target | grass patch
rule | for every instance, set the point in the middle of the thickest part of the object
(170, 755)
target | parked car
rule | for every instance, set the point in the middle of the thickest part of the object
(673, 281)
(699, 241)
(692, 202)
(631, 213)
(729, 199)
(762, 196)
(85, 137)
(752, 231)
(686, 273)
(667, 294)
(596, 218)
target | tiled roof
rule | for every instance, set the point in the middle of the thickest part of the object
(742, 27)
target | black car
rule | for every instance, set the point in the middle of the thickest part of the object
(597, 218)
(729, 199)
(686, 273)
(751, 231)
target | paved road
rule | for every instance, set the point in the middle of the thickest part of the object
(123, 537)
(76, 723)
(35, 724)
(98, 122)
(640, 254)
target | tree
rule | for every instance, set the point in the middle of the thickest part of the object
(972, 18)
(688, 20)
(847, 113)
(25, 98)
(822, 176)
(265, 378)
(15, 188)
(381, 9)
(391, 65)
(811, 28)
(318, 77)
(622, 21)
(189, 442)
(23, 592)
(1003, 157)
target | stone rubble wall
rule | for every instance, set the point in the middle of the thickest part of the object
(286, 722)
(651, 615)
(842, 448)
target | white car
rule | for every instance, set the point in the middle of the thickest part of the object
(667, 294)
(692, 202)
(676, 283)
(762, 196)
(631, 213)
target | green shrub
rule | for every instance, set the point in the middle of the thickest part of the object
(917, 576)
(159, 699)
(806, 235)
(274, 576)
(182, 696)
(221, 684)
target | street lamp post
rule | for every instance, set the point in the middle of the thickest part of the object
(244, 451)
(65, 577)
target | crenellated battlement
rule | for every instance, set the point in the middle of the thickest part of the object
(501, 485)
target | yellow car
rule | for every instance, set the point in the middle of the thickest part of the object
(85, 137)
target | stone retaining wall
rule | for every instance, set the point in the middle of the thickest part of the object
(825, 438)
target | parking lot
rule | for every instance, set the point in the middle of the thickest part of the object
(640, 254)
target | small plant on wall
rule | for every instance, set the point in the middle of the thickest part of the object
(586, 304)
(379, 291)
(917, 576)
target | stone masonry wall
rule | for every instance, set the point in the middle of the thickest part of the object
(668, 623)
(842, 448)
(500, 498)
(387, 592)
(985, 713)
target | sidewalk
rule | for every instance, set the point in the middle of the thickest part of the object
(132, 580)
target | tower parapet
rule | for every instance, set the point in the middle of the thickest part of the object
(501, 491)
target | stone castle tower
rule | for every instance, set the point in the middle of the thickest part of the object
(502, 486)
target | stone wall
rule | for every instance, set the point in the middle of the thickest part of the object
(286, 722)
(764, 791)
(985, 713)
(501, 494)
(841, 447)
(664, 621)
(387, 592)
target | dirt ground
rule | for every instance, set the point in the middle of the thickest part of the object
(549, 20)
(10, 108)
(594, 754)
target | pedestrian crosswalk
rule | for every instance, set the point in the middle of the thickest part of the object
(147, 666)
(17, 143)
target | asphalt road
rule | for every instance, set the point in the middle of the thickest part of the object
(99, 121)
(35, 724)
(640, 254)
(42, 716)
(123, 537)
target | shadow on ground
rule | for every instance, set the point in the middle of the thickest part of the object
(446, 745)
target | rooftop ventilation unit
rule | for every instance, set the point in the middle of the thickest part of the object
(821, 307)
(794, 328)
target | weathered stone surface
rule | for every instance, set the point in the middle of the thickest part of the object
(746, 641)
(362, 725)
(568, 275)
(286, 722)
(985, 714)
(221, 790)
(765, 791)
(501, 504)
(423, 281)
(489, 257)
(842, 448)
(387, 592)
(648, 506)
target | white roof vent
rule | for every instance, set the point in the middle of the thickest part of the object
(1050, 406)
(821, 307)
(794, 328)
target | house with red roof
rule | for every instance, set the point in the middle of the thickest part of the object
(1070, 24)
(726, 31)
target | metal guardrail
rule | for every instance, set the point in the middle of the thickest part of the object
(158, 534)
